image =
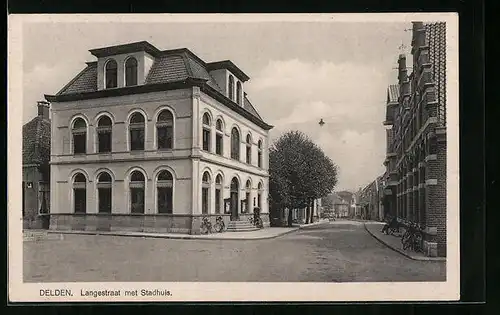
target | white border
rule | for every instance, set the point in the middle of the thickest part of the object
(192, 291)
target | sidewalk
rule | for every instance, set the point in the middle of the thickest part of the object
(266, 233)
(393, 242)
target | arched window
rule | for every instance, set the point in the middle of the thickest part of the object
(80, 193)
(104, 194)
(137, 127)
(218, 194)
(259, 153)
(248, 190)
(165, 130)
(137, 185)
(235, 144)
(219, 137)
(131, 72)
(205, 193)
(239, 94)
(230, 88)
(164, 189)
(111, 74)
(104, 131)
(79, 131)
(206, 132)
(259, 196)
(249, 149)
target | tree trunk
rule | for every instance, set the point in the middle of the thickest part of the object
(307, 213)
(290, 217)
(312, 211)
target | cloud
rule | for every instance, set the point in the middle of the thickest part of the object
(350, 98)
(43, 79)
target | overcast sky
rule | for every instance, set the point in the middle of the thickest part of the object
(300, 72)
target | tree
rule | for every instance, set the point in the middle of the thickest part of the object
(300, 172)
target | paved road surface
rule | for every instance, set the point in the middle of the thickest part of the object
(337, 252)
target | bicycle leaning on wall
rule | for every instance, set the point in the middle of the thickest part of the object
(413, 238)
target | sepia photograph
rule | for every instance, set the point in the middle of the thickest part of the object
(227, 157)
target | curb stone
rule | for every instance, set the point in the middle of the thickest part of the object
(183, 237)
(402, 252)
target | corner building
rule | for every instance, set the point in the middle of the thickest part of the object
(150, 140)
(415, 189)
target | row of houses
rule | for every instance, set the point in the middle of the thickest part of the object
(414, 183)
(144, 139)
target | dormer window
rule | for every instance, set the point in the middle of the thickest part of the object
(231, 88)
(239, 94)
(111, 74)
(131, 72)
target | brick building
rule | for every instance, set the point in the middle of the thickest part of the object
(155, 141)
(415, 178)
(36, 170)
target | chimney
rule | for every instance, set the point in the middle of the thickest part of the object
(418, 38)
(402, 69)
(43, 109)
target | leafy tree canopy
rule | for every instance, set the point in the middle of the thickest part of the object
(299, 170)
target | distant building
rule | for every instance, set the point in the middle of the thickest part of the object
(36, 169)
(371, 201)
(299, 215)
(341, 208)
(415, 178)
(155, 141)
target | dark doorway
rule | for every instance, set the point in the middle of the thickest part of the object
(234, 198)
(24, 187)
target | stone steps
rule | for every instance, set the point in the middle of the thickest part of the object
(240, 226)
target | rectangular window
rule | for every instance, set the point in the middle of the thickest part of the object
(137, 139)
(206, 140)
(137, 200)
(249, 155)
(104, 142)
(260, 159)
(249, 203)
(79, 145)
(80, 195)
(111, 78)
(218, 144)
(165, 135)
(259, 201)
(130, 76)
(104, 200)
(165, 200)
(217, 201)
(204, 200)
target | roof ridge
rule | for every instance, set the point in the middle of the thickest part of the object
(251, 105)
(187, 64)
(74, 79)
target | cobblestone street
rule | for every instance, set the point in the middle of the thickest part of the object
(335, 252)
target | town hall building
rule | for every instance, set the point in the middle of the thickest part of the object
(155, 141)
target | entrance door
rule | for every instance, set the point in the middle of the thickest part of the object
(234, 199)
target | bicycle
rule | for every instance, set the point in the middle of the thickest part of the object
(206, 226)
(258, 223)
(219, 225)
(391, 227)
(412, 238)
